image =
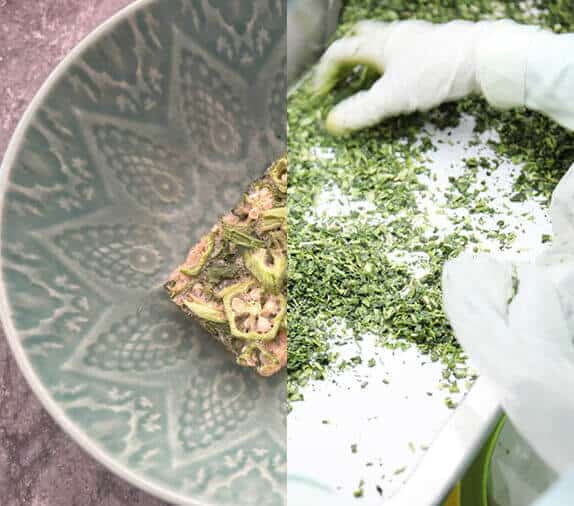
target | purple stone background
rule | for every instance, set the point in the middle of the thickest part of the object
(39, 464)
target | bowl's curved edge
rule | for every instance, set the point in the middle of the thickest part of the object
(11, 335)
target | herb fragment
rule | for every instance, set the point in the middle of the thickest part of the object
(449, 403)
(360, 490)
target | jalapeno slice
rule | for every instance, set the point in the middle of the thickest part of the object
(198, 256)
(253, 313)
(206, 310)
(268, 266)
(267, 357)
(278, 173)
(203, 306)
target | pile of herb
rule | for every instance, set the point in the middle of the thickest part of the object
(341, 268)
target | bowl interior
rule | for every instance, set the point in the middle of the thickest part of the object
(146, 133)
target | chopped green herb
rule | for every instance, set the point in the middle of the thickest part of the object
(341, 267)
(450, 404)
(360, 490)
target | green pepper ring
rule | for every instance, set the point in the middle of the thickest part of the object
(243, 358)
(272, 278)
(239, 288)
(206, 312)
(195, 270)
(277, 169)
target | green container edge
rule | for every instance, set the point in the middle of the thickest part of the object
(473, 487)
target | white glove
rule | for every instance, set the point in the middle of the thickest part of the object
(425, 64)
(516, 321)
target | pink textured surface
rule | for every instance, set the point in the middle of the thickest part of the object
(39, 464)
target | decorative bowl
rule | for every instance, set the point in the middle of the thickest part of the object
(148, 131)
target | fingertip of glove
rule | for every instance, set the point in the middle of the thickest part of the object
(322, 83)
(320, 87)
(334, 127)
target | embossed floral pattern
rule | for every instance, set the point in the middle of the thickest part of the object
(127, 255)
(209, 109)
(234, 14)
(145, 169)
(139, 343)
(244, 487)
(216, 406)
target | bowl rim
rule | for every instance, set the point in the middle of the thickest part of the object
(89, 445)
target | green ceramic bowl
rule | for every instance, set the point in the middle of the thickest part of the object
(140, 139)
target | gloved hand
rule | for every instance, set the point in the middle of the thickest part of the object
(424, 64)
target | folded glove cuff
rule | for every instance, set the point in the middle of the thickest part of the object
(501, 62)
